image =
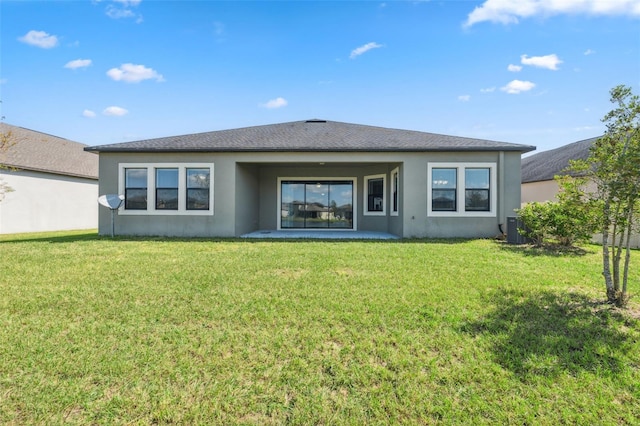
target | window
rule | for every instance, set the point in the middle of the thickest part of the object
(166, 189)
(395, 181)
(135, 192)
(443, 189)
(197, 189)
(476, 197)
(462, 189)
(374, 195)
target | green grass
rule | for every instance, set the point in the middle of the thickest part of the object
(141, 331)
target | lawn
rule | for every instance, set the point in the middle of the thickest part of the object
(142, 331)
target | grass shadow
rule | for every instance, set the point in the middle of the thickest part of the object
(52, 237)
(549, 250)
(546, 334)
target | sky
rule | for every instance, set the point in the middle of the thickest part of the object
(535, 72)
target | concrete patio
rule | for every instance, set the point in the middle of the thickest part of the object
(320, 234)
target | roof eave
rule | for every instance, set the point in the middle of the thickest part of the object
(522, 149)
(17, 168)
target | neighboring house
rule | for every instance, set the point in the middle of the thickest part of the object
(539, 170)
(314, 174)
(54, 182)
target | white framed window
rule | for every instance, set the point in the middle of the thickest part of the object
(462, 189)
(166, 188)
(375, 197)
(395, 191)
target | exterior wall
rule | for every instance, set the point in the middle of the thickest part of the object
(221, 223)
(47, 202)
(539, 191)
(417, 222)
(245, 188)
(248, 205)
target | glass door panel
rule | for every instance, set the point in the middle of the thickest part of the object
(341, 205)
(316, 204)
(292, 207)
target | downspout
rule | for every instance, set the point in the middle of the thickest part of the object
(501, 190)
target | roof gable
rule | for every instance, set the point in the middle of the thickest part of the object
(547, 164)
(31, 150)
(311, 136)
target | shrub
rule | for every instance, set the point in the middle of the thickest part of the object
(571, 219)
(535, 217)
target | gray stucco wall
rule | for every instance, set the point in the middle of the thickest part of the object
(221, 223)
(245, 191)
(248, 200)
(417, 222)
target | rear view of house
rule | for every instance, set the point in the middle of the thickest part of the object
(54, 183)
(311, 175)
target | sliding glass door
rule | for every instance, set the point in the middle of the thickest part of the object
(316, 204)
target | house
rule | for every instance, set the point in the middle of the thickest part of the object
(54, 183)
(311, 175)
(539, 170)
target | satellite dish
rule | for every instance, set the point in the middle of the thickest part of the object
(113, 201)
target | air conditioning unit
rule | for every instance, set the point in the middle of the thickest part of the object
(513, 236)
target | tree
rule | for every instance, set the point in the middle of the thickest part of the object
(6, 142)
(614, 167)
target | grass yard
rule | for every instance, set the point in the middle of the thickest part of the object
(151, 331)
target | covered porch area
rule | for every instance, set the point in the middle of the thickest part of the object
(322, 200)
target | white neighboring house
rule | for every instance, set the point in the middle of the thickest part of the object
(54, 182)
(539, 170)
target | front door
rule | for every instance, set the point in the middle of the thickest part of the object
(314, 204)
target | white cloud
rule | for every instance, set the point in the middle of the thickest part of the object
(517, 86)
(78, 63)
(124, 9)
(514, 68)
(488, 90)
(275, 103)
(464, 98)
(363, 49)
(88, 113)
(511, 11)
(115, 111)
(589, 52)
(40, 39)
(218, 28)
(117, 13)
(219, 31)
(131, 73)
(549, 61)
(128, 3)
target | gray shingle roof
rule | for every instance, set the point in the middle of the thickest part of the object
(309, 136)
(31, 150)
(547, 164)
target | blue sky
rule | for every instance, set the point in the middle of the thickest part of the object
(535, 72)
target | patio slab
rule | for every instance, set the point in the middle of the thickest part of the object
(325, 235)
